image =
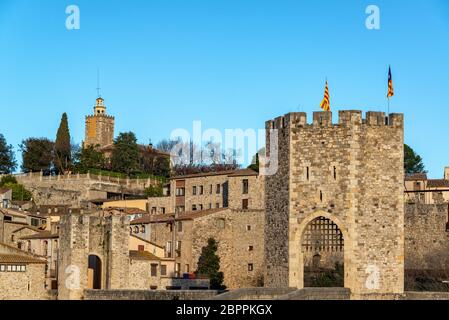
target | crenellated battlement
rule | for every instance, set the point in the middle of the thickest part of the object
(93, 116)
(346, 118)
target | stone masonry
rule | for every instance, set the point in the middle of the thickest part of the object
(104, 235)
(350, 173)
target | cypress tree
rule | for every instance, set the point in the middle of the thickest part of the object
(209, 265)
(63, 146)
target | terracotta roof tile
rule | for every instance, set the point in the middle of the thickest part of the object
(170, 217)
(244, 172)
(204, 174)
(41, 235)
(16, 258)
(438, 183)
(4, 190)
(416, 176)
(28, 227)
(144, 240)
(142, 255)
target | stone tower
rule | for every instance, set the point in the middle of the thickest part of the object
(337, 194)
(99, 126)
(93, 253)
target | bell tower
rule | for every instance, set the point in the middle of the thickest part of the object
(99, 127)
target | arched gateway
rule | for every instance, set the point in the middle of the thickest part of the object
(322, 258)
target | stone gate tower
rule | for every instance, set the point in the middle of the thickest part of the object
(99, 126)
(337, 194)
(93, 253)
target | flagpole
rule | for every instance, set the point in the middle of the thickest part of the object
(388, 111)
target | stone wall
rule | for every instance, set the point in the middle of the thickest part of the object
(209, 197)
(103, 235)
(149, 295)
(74, 189)
(235, 231)
(162, 205)
(426, 237)
(255, 195)
(28, 285)
(350, 173)
(140, 275)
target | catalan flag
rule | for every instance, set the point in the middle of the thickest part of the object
(325, 104)
(390, 84)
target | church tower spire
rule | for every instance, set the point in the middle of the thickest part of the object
(99, 108)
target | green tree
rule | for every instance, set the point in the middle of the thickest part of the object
(7, 179)
(37, 155)
(88, 158)
(19, 192)
(154, 191)
(125, 156)
(7, 160)
(413, 163)
(255, 161)
(161, 167)
(63, 146)
(209, 265)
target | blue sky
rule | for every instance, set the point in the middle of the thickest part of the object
(230, 64)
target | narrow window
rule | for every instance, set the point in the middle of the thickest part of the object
(335, 173)
(193, 207)
(248, 228)
(250, 267)
(245, 204)
(218, 188)
(194, 190)
(180, 226)
(163, 270)
(250, 248)
(307, 173)
(245, 186)
(321, 196)
(168, 249)
(154, 270)
(178, 248)
(201, 207)
(201, 190)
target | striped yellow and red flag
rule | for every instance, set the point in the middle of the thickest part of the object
(326, 104)
(390, 84)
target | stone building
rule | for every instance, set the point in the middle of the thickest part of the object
(99, 127)
(235, 189)
(420, 189)
(22, 275)
(239, 234)
(227, 206)
(337, 194)
(5, 197)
